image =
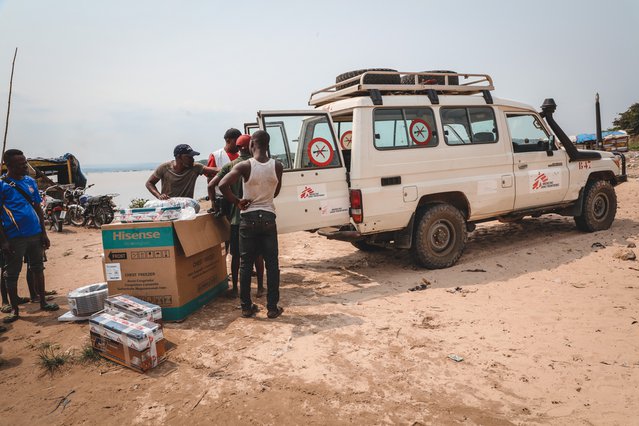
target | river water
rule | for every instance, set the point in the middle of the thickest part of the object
(129, 185)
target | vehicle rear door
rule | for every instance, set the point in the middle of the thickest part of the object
(314, 191)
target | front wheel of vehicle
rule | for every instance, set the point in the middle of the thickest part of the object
(440, 236)
(99, 218)
(109, 215)
(600, 207)
(75, 215)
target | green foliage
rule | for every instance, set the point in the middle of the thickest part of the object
(51, 358)
(137, 203)
(628, 121)
(88, 354)
(633, 144)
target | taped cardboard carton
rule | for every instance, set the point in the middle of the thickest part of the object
(132, 342)
(133, 307)
(177, 265)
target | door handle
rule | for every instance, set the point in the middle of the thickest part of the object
(523, 166)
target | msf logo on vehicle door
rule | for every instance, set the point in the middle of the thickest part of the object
(544, 181)
(311, 192)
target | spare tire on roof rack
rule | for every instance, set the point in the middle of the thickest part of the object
(453, 80)
(369, 78)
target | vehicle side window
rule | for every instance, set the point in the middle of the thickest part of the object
(421, 126)
(472, 125)
(277, 148)
(527, 133)
(302, 141)
(318, 145)
(344, 130)
(456, 126)
(404, 128)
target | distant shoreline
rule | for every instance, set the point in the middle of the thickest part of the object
(119, 168)
(131, 167)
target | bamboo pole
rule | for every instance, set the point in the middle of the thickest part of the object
(6, 124)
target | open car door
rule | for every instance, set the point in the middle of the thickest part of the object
(314, 191)
(250, 128)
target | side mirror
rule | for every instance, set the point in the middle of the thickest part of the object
(548, 145)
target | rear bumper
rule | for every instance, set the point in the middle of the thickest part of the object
(345, 233)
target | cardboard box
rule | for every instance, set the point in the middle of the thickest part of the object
(132, 342)
(133, 307)
(177, 265)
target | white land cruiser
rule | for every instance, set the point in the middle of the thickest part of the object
(415, 160)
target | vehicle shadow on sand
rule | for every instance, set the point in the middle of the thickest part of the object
(494, 252)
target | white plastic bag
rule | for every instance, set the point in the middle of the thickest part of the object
(182, 202)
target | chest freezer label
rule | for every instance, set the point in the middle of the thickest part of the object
(137, 237)
(113, 271)
(311, 192)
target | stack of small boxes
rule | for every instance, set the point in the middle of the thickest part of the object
(129, 331)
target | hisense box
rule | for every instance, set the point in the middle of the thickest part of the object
(177, 265)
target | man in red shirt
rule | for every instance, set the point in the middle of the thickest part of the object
(226, 154)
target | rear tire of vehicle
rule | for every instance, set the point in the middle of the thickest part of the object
(366, 247)
(57, 221)
(452, 80)
(369, 79)
(440, 236)
(75, 214)
(600, 207)
(99, 218)
(108, 216)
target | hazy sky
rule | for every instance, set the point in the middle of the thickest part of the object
(125, 81)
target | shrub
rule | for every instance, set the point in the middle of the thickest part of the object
(51, 358)
(137, 203)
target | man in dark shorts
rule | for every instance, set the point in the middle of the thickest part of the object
(261, 182)
(33, 294)
(242, 143)
(178, 176)
(23, 231)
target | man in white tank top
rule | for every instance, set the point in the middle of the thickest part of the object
(261, 182)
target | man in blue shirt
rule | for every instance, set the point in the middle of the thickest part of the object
(22, 230)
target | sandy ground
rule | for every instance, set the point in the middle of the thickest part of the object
(546, 324)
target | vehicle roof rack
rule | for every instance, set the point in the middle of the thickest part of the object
(467, 84)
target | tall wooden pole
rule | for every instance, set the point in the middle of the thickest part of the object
(6, 124)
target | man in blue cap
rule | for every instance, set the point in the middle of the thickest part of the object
(178, 176)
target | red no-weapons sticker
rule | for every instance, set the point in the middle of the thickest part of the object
(420, 131)
(320, 152)
(346, 140)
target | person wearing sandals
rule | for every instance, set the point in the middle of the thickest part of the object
(22, 231)
(242, 143)
(261, 183)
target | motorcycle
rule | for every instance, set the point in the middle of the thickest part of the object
(75, 210)
(54, 208)
(98, 210)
